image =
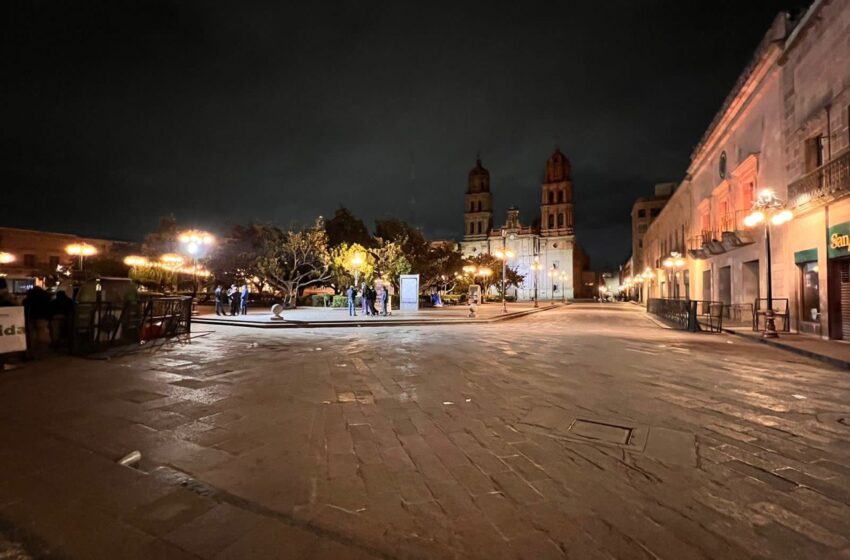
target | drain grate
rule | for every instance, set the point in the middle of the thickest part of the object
(610, 433)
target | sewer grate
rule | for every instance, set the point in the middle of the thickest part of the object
(619, 435)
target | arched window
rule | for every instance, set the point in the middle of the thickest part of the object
(551, 220)
(561, 219)
(560, 196)
(551, 197)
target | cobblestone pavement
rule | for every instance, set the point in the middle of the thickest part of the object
(585, 432)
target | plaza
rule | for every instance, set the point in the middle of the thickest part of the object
(584, 431)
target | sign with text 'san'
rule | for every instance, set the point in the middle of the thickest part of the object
(838, 241)
(13, 332)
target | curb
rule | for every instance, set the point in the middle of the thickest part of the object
(835, 362)
(373, 323)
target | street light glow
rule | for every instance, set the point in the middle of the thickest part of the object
(80, 250)
(6, 258)
(135, 260)
(782, 217)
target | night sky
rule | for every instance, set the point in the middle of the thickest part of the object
(115, 113)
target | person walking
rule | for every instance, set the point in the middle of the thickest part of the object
(385, 296)
(351, 293)
(233, 296)
(219, 301)
(243, 300)
(364, 299)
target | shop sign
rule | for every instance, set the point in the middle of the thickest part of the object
(13, 337)
(838, 241)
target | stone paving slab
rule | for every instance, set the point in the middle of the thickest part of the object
(433, 442)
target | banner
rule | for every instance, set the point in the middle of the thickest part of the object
(13, 333)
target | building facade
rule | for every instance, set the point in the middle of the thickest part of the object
(644, 212)
(784, 127)
(38, 253)
(552, 244)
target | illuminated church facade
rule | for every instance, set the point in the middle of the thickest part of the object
(550, 241)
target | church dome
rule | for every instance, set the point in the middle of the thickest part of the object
(558, 167)
(479, 179)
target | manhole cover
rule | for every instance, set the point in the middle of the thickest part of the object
(601, 431)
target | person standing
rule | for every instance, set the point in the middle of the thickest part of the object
(351, 293)
(243, 300)
(233, 296)
(219, 301)
(373, 296)
(385, 296)
(364, 299)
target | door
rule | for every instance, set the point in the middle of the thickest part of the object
(844, 279)
(750, 282)
(725, 287)
(706, 285)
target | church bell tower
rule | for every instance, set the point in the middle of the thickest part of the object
(556, 205)
(478, 210)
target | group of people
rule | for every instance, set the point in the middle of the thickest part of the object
(368, 297)
(234, 298)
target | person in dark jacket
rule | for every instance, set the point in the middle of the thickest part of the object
(233, 294)
(373, 296)
(61, 315)
(243, 300)
(385, 297)
(220, 300)
(351, 293)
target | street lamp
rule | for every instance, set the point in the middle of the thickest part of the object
(673, 264)
(768, 209)
(504, 255)
(535, 268)
(6, 258)
(194, 241)
(81, 250)
(553, 274)
(356, 263)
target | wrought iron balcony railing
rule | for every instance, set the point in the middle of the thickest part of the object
(827, 181)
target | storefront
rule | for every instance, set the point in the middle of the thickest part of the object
(838, 253)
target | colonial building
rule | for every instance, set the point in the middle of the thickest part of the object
(552, 243)
(784, 127)
(644, 212)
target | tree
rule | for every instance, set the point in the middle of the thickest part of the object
(235, 258)
(164, 239)
(442, 263)
(344, 227)
(390, 261)
(343, 257)
(486, 260)
(291, 260)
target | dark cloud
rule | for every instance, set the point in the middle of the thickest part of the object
(115, 113)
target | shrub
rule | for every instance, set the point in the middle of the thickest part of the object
(342, 301)
(320, 300)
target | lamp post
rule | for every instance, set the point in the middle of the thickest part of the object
(768, 209)
(647, 276)
(356, 263)
(194, 241)
(504, 254)
(553, 274)
(81, 250)
(535, 268)
(673, 264)
(563, 277)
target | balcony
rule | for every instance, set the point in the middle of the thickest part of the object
(829, 181)
(733, 233)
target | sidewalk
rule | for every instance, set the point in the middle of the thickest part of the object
(315, 317)
(832, 352)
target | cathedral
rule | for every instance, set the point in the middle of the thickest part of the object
(551, 242)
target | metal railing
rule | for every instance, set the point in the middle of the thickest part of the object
(828, 180)
(688, 314)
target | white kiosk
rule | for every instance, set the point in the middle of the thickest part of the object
(409, 292)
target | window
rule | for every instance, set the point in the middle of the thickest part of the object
(810, 290)
(561, 219)
(642, 228)
(748, 195)
(551, 197)
(472, 206)
(479, 206)
(815, 152)
(560, 196)
(29, 260)
(479, 227)
(551, 220)
(654, 212)
(642, 213)
(471, 228)
(640, 243)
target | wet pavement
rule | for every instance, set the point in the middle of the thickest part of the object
(582, 432)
